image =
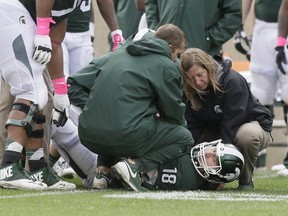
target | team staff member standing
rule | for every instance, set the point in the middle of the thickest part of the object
(208, 24)
(220, 105)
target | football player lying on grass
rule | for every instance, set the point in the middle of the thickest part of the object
(208, 166)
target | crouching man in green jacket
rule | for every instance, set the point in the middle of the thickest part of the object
(132, 106)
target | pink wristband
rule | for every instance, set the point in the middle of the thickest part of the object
(281, 41)
(43, 25)
(60, 86)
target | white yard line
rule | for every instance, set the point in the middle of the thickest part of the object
(189, 195)
(46, 193)
(197, 195)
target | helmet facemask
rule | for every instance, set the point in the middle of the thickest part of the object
(227, 163)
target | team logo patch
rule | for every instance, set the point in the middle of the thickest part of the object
(217, 109)
(22, 20)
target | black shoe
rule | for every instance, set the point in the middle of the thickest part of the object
(246, 187)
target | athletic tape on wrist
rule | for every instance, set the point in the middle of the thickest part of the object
(43, 25)
(60, 86)
(281, 41)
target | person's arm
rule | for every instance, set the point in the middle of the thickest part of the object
(56, 71)
(152, 14)
(220, 187)
(107, 10)
(246, 9)
(82, 82)
(231, 20)
(92, 25)
(240, 37)
(57, 34)
(42, 41)
(236, 101)
(140, 5)
(193, 125)
(283, 19)
(169, 96)
(282, 36)
(43, 8)
(209, 186)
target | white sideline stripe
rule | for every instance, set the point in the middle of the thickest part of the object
(43, 194)
(198, 195)
(268, 176)
(176, 195)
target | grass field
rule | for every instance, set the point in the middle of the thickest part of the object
(269, 198)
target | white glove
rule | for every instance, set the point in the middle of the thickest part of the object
(242, 42)
(43, 49)
(61, 109)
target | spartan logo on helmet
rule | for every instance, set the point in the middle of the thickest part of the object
(229, 161)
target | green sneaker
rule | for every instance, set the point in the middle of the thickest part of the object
(13, 176)
(54, 182)
(128, 174)
(246, 187)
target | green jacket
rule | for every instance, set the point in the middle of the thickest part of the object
(208, 24)
(132, 84)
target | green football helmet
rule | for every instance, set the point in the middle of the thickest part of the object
(228, 162)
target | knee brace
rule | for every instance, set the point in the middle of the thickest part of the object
(39, 119)
(31, 112)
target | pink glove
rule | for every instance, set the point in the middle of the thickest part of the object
(116, 38)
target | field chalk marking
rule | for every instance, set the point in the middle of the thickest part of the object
(177, 195)
(199, 195)
(42, 194)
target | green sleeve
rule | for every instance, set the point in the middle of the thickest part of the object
(226, 27)
(82, 82)
(152, 13)
(170, 97)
